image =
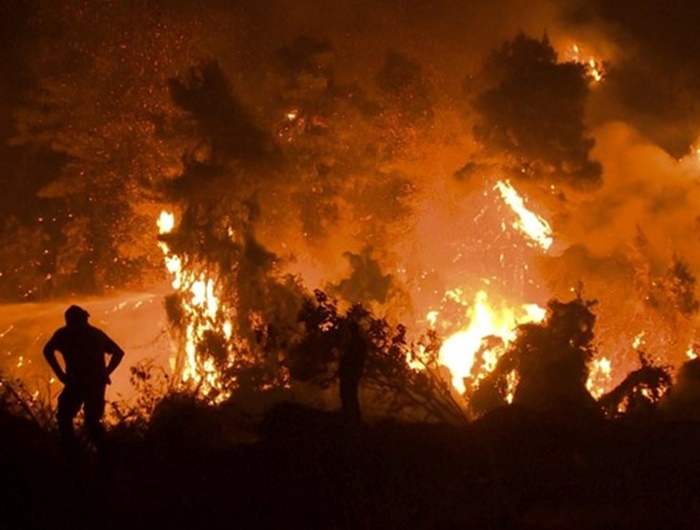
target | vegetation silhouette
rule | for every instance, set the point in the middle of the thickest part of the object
(418, 460)
(395, 385)
(639, 392)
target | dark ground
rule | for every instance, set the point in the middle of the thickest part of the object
(511, 469)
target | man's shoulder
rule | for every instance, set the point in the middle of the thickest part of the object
(60, 332)
(96, 331)
(60, 338)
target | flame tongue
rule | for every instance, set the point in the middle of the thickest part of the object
(529, 223)
(595, 69)
(459, 351)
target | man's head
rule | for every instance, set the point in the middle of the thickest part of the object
(76, 316)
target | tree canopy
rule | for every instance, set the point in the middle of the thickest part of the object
(531, 113)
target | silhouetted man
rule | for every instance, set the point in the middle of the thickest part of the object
(85, 377)
(350, 368)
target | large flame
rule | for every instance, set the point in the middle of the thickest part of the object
(459, 351)
(203, 313)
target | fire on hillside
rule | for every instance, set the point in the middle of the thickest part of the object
(476, 327)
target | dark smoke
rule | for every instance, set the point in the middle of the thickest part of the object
(654, 83)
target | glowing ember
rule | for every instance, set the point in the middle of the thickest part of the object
(531, 224)
(512, 381)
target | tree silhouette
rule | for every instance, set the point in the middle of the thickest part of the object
(98, 113)
(531, 113)
(639, 392)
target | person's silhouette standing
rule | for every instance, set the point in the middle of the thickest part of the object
(350, 368)
(85, 377)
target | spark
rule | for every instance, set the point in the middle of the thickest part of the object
(432, 317)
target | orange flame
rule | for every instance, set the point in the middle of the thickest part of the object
(458, 352)
(203, 311)
(600, 377)
(531, 224)
(594, 67)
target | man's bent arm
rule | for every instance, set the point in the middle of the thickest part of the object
(50, 355)
(117, 354)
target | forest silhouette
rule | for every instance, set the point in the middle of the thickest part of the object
(261, 458)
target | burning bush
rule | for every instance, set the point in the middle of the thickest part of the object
(546, 367)
(640, 391)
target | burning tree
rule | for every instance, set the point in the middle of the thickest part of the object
(235, 307)
(547, 364)
(639, 392)
(228, 298)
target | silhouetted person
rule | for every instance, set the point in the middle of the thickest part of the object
(351, 366)
(85, 376)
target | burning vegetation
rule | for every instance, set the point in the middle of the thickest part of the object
(500, 208)
(452, 205)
